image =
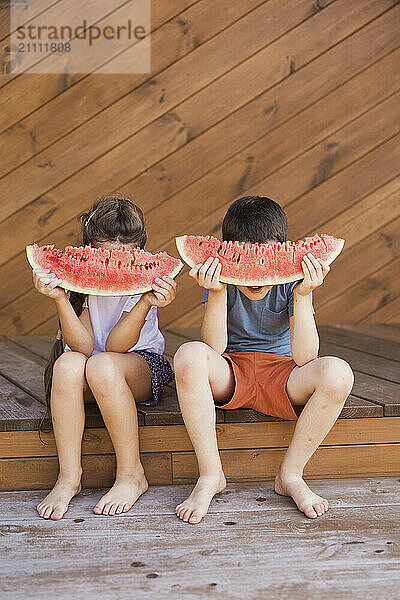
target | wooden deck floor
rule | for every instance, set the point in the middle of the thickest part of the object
(252, 545)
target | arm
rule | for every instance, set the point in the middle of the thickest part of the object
(77, 331)
(126, 331)
(213, 328)
(304, 339)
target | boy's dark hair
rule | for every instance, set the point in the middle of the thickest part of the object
(254, 219)
(112, 218)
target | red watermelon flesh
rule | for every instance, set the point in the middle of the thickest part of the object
(101, 272)
(258, 264)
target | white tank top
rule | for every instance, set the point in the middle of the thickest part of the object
(104, 313)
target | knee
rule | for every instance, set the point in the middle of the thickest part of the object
(69, 366)
(335, 375)
(190, 357)
(101, 370)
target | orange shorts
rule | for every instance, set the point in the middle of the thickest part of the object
(260, 383)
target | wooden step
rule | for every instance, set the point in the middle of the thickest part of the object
(365, 441)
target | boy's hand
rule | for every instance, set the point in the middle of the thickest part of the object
(207, 274)
(164, 292)
(314, 270)
(46, 283)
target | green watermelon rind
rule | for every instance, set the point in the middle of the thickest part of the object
(96, 291)
(180, 244)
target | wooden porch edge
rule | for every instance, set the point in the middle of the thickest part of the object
(174, 438)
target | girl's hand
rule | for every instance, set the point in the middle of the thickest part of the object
(207, 274)
(164, 292)
(315, 269)
(46, 283)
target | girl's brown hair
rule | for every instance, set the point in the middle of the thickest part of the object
(113, 218)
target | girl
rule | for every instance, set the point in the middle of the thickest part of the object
(114, 346)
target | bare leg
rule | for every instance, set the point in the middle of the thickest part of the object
(113, 379)
(323, 386)
(68, 416)
(201, 374)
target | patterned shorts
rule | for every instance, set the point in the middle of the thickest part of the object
(160, 371)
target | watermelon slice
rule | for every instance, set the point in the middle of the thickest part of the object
(102, 272)
(258, 264)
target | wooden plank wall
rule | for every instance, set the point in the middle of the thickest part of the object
(298, 100)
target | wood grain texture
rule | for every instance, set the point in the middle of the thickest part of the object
(20, 506)
(98, 471)
(232, 435)
(262, 464)
(253, 543)
(244, 97)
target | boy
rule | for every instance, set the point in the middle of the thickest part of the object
(259, 350)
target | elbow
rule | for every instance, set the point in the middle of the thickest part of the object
(111, 346)
(89, 349)
(302, 360)
(301, 363)
(86, 351)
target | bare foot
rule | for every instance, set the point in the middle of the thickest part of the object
(195, 507)
(306, 500)
(56, 503)
(122, 496)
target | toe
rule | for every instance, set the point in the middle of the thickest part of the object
(112, 510)
(195, 517)
(47, 512)
(126, 507)
(107, 508)
(98, 509)
(318, 509)
(119, 509)
(58, 513)
(181, 513)
(310, 512)
(56, 516)
(186, 515)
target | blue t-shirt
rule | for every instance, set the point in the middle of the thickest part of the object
(260, 325)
